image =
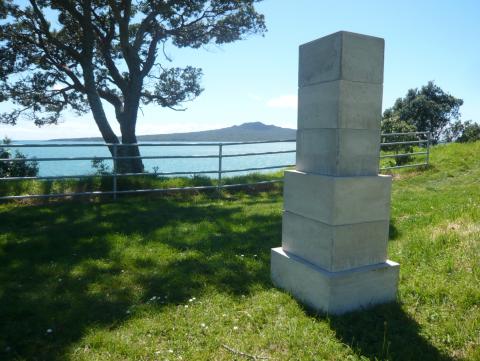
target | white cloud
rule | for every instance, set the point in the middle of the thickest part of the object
(283, 101)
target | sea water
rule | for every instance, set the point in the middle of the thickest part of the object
(84, 167)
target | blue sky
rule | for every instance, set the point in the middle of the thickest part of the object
(256, 79)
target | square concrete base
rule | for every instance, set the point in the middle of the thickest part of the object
(334, 292)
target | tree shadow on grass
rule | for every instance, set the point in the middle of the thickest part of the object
(385, 332)
(62, 272)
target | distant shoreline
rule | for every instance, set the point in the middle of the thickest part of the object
(256, 131)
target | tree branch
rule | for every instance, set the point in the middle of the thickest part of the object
(112, 99)
(105, 43)
(46, 31)
(151, 55)
(131, 58)
(142, 30)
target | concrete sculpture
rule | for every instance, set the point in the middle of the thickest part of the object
(336, 207)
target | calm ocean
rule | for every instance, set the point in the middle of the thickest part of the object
(84, 167)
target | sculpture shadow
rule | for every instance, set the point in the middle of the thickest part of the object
(393, 232)
(385, 332)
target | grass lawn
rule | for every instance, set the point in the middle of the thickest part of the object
(187, 278)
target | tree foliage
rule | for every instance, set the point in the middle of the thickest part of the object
(463, 132)
(428, 109)
(470, 133)
(79, 54)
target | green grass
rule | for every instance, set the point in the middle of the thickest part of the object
(186, 277)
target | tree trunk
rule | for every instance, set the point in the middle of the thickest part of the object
(97, 110)
(128, 121)
(134, 165)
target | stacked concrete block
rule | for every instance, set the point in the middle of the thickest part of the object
(336, 207)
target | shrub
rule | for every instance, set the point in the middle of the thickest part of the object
(394, 125)
(463, 132)
(21, 168)
(470, 133)
(101, 168)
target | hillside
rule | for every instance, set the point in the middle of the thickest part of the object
(255, 131)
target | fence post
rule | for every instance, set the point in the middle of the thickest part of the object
(220, 153)
(428, 148)
(115, 171)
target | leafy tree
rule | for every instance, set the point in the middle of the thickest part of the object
(429, 109)
(19, 168)
(453, 132)
(471, 132)
(463, 132)
(79, 54)
(394, 125)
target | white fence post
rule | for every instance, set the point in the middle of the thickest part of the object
(114, 171)
(220, 153)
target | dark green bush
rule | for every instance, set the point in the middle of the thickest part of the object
(395, 125)
(21, 168)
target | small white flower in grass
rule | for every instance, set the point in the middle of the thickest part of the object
(128, 312)
(186, 306)
(242, 255)
(235, 328)
(158, 352)
(254, 255)
(224, 315)
(49, 330)
(171, 351)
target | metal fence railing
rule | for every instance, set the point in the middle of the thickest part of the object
(115, 174)
(422, 139)
(405, 142)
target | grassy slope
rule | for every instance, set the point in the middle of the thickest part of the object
(174, 278)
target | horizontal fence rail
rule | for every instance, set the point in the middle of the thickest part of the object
(405, 142)
(417, 139)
